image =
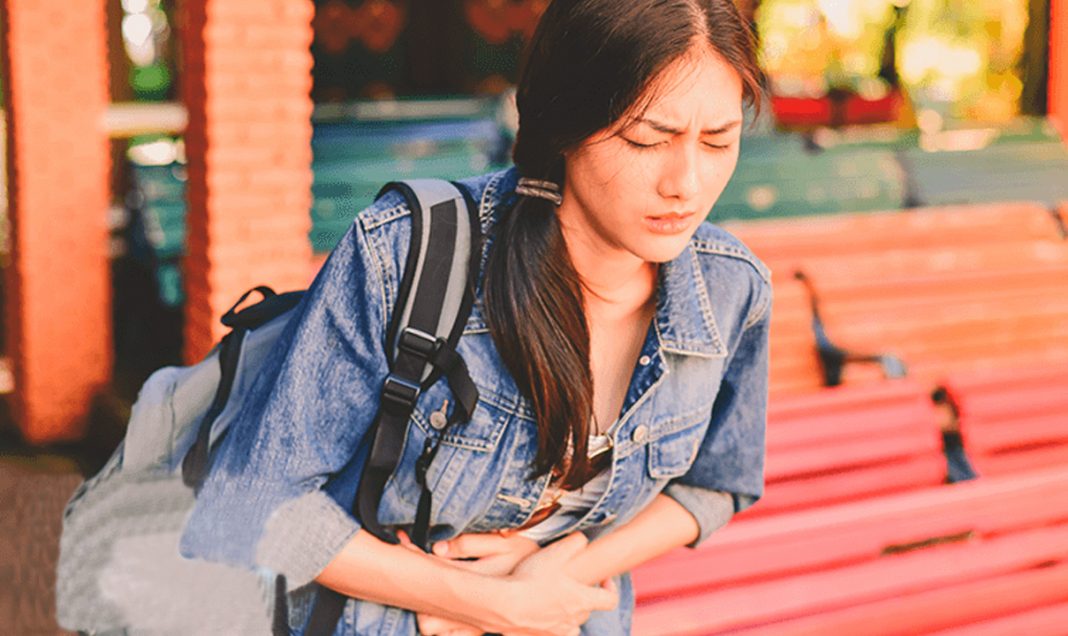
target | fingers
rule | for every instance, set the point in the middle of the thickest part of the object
(554, 556)
(610, 585)
(567, 547)
(430, 624)
(406, 542)
(435, 626)
(478, 546)
(603, 599)
(473, 546)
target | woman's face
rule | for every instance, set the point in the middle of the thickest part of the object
(643, 188)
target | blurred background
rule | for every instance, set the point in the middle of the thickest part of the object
(907, 183)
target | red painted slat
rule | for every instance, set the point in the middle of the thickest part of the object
(1014, 462)
(819, 426)
(783, 240)
(994, 403)
(1024, 375)
(851, 484)
(934, 609)
(847, 398)
(1017, 430)
(862, 452)
(1043, 621)
(741, 605)
(760, 549)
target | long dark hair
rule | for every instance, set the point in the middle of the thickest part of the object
(587, 65)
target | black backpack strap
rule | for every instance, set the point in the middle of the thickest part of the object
(425, 326)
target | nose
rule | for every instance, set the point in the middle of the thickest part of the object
(679, 178)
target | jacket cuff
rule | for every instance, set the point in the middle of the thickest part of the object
(711, 508)
(303, 536)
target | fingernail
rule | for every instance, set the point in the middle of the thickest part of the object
(440, 548)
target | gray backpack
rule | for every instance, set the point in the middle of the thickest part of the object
(119, 566)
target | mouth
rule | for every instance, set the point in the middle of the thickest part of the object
(668, 223)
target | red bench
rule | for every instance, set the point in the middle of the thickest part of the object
(943, 288)
(989, 556)
(908, 563)
(786, 243)
(944, 311)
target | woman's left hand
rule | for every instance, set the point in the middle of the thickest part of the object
(494, 554)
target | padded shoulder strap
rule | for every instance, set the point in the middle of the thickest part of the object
(434, 300)
(437, 287)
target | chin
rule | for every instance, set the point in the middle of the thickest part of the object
(659, 249)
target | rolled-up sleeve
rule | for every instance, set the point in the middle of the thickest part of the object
(266, 501)
(727, 475)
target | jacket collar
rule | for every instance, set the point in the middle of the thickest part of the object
(684, 320)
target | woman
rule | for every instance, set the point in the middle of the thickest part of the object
(619, 347)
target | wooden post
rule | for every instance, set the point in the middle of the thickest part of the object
(246, 84)
(56, 286)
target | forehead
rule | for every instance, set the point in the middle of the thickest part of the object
(700, 87)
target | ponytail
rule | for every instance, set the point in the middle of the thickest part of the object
(536, 316)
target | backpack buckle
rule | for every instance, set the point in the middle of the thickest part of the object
(418, 342)
(399, 392)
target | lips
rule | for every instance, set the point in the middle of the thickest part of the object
(668, 223)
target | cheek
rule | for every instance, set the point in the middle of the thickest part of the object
(621, 168)
(719, 172)
(618, 177)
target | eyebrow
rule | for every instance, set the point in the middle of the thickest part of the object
(664, 128)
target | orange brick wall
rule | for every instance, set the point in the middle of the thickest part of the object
(57, 291)
(247, 81)
(1058, 65)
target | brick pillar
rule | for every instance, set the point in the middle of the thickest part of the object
(247, 85)
(1058, 65)
(57, 287)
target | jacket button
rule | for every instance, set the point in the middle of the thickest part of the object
(644, 361)
(640, 433)
(438, 420)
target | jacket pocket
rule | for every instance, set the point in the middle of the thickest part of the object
(674, 442)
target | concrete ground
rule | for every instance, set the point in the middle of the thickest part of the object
(35, 484)
(33, 491)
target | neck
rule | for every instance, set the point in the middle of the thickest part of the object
(614, 281)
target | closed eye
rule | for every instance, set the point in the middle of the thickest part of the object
(642, 146)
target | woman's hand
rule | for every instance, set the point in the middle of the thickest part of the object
(545, 601)
(491, 553)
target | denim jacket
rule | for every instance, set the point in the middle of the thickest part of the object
(278, 495)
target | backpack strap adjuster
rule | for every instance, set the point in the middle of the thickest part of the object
(399, 393)
(418, 342)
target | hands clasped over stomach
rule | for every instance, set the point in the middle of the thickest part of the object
(546, 600)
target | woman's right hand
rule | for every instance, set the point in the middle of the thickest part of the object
(543, 601)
